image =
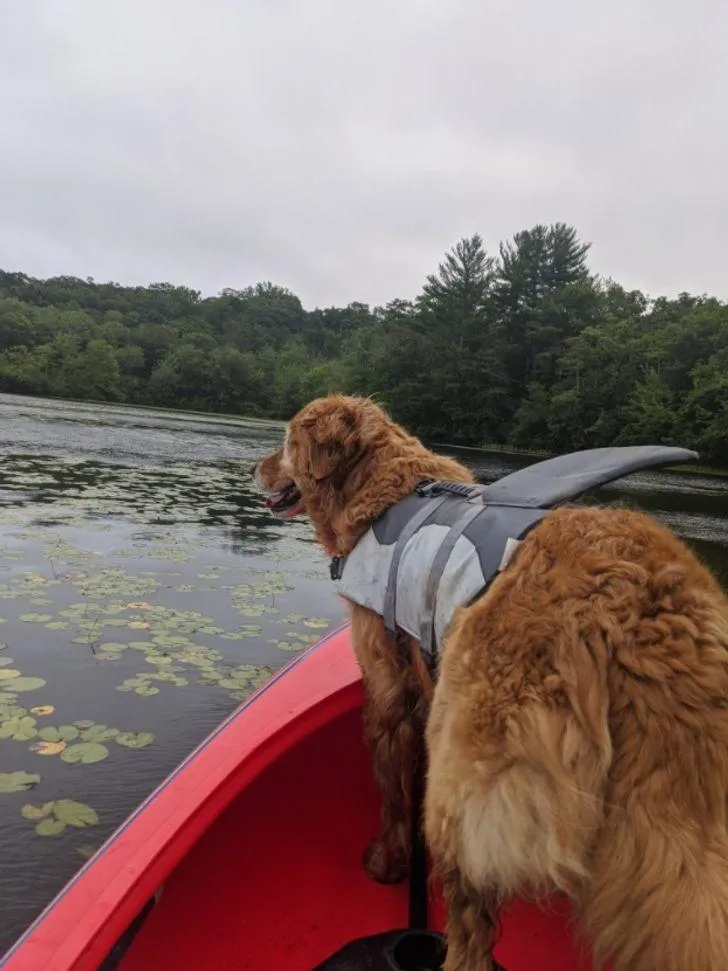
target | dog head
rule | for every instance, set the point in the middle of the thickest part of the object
(328, 441)
(343, 462)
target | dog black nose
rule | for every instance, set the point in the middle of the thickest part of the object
(252, 468)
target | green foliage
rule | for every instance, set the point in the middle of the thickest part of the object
(526, 348)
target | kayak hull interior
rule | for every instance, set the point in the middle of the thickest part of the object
(257, 842)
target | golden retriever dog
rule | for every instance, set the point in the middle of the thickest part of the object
(577, 727)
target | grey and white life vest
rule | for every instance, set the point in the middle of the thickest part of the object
(439, 548)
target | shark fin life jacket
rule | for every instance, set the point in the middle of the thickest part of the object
(439, 548)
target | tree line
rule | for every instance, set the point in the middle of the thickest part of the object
(525, 347)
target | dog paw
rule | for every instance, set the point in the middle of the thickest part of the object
(385, 864)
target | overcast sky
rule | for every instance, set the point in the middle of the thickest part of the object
(339, 148)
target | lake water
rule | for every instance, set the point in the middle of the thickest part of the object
(144, 591)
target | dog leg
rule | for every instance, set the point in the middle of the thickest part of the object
(470, 925)
(392, 738)
(393, 726)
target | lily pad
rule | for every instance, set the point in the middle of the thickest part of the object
(19, 729)
(27, 684)
(132, 740)
(234, 685)
(50, 827)
(7, 674)
(146, 690)
(288, 645)
(99, 733)
(29, 811)
(76, 814)
(17, 781)
(42, 710)
(66, 733)
(36, 618)
(85, 752)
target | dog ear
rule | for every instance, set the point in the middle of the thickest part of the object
(322, 460)
(334, 444)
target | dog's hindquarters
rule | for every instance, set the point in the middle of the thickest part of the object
(512, 808)
(579, 741)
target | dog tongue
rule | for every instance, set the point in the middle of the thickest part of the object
(268, 502)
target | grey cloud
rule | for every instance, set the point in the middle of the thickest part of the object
(340, 148)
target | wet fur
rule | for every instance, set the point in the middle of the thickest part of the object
(577, 734)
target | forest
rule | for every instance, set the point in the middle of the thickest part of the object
(525, 347)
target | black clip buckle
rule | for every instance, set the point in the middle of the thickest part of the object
(428, 487)
(433, 487)
(336, 567)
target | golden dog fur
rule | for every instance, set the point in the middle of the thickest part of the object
(577, 732)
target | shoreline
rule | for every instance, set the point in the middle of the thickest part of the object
(705, 471)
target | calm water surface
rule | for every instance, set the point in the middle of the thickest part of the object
(144, 592)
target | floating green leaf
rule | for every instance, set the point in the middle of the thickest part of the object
(132, 740)
(27, 684)
(36, 618)
(85, 752)
(29, 811)
(66, 733)
(17, 781)
(50, 827)
(76, 814)
(19, 729)
(288, 645)
(99, 733)
(146, 690)
(230, 683)
(8, 674)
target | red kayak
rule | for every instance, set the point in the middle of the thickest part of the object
(248, 856)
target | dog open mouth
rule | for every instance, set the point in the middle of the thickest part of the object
(286, 502)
